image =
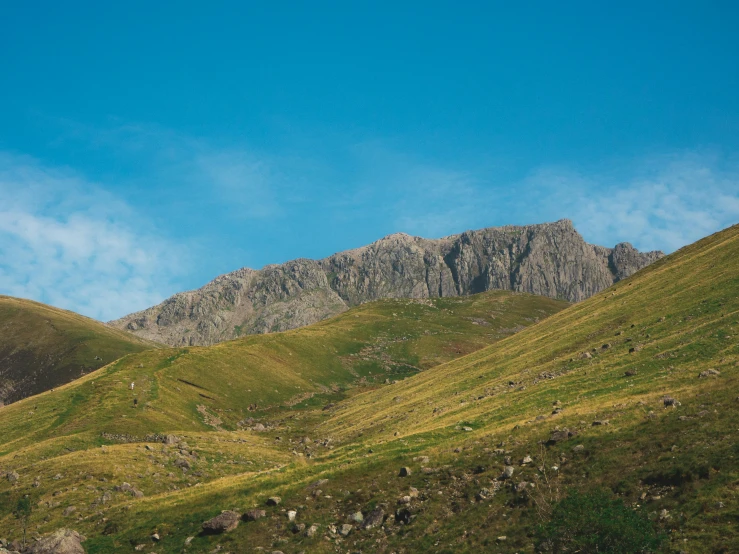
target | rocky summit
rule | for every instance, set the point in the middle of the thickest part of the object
(550, 259)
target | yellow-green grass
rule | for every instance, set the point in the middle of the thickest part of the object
(202, 394)
(42, 347)
(193, 388)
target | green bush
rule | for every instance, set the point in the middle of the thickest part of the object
(596, 522)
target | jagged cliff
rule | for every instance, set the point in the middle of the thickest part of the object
(550, 259)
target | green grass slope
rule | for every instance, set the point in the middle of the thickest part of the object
(42, 347)
(216, 398)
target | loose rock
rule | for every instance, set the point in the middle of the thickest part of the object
(227, 521)
(253, 515)
(312, 530)
(709, 373)
(374, 518)
(345, 529)
(62, 541)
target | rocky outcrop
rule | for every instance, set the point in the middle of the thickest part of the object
(550, 259)
(62, 541)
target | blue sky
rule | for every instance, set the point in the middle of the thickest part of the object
(147, 147)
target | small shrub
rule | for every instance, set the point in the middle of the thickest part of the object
(599, 523)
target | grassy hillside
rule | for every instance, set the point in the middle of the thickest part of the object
(581, 393)
(43, 347)
(212, 397)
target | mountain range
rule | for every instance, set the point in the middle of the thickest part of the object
(491, 422)
(550, 259)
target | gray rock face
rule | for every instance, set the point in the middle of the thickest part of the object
(550, 259)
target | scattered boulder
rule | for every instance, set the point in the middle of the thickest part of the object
(274, 501)
(526, 460)
(298, 528)
(578, 448)
(521, 487)
(669, 401)
(317, 484)
(606, 346)
(709, 373)
(356, 517)
(291, 515)
(598, 422)
(345, 529)
(69, 510)
(374, 518)
(126, 487)
(586, 356)
(559, 435)
(171, 439)
(253, 515)
(403, 515)
(484, 494)
(226, 521)
(508, 472)
(630, 372)
(61, 541)
(404, 472)
(311, 531)
(182, 463)
(12, 476)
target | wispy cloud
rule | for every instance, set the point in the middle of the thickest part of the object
(235, 177)
(68, 242)
(660, 202)
(240, 178)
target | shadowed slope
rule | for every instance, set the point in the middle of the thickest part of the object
(42, 347)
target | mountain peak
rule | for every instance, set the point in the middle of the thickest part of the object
(548, 259)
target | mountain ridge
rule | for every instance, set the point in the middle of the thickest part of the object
(549, 259)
